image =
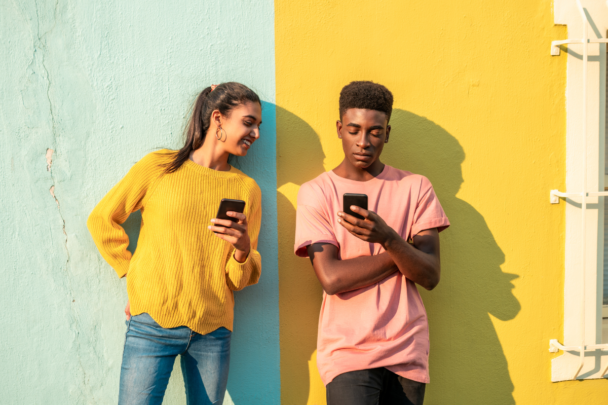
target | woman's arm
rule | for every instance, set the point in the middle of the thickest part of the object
(112, 211)
(244, 266)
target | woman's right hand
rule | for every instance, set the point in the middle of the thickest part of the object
(235, 233)
(128, 310)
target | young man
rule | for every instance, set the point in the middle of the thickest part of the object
(373, 341)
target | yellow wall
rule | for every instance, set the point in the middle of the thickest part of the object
(479, 109)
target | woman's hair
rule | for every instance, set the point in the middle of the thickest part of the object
(224, 98)
(367, 95)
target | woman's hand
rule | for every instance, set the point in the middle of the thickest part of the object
(234, 233)
(128, 310)
(371, 229)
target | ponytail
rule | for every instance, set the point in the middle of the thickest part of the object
(224, 98)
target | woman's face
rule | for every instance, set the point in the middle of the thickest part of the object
(241, 128)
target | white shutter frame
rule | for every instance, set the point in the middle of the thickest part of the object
(583, 288)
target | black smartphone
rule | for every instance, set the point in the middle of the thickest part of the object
(230, 205)
(359, 200)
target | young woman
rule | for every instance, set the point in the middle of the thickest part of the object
(181, 279)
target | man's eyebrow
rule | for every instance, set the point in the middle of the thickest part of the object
(359, 126)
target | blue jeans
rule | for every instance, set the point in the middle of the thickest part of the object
(149, 355)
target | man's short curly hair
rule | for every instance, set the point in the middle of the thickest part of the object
(367, 95)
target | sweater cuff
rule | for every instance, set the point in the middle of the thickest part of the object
(233, 264)
(240, 275)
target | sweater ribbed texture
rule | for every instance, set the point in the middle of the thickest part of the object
(181, 274)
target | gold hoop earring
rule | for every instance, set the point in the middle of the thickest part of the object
(220, 133)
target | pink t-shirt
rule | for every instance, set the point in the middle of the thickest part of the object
(385, 324)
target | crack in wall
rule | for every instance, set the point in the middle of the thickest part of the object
(44, 49)
(41, 45)
(49, 166)
(49, 159)
(76, 325)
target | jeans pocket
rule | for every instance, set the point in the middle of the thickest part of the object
(145, 318)
(128, 323)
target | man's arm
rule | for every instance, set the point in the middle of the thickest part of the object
(418, 262)
(338, 276)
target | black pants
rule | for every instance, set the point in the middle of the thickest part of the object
(377, 386)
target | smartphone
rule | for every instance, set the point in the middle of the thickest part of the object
(230, 205)
(359, 200)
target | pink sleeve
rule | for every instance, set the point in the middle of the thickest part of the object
(429, 213)
(312, 223)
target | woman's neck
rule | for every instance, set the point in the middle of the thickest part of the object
(211, 155)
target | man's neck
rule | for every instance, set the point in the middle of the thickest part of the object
(350, 172)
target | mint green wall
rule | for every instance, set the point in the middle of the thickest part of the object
(102, 84)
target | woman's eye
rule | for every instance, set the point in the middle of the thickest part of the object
(248, 123)
(353, 133)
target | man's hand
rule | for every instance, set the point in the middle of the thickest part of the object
(234, 233)
(418, 262)
(371, 229)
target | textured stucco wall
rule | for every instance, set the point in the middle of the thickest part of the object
(102, 84)
(480, 110)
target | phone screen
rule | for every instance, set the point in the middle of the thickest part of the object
(359, 200)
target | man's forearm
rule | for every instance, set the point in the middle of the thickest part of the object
(364, 271)
(415, 264)
(338, 276)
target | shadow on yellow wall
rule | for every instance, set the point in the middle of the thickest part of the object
(300, 294)
(466, 357)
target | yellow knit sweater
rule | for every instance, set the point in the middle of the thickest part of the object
(181, 273)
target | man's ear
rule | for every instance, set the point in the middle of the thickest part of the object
(339, 128)
(388, 132)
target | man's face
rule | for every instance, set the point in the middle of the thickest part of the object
(364, 133)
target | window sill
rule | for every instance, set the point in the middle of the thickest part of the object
(564, 366)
